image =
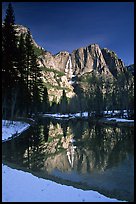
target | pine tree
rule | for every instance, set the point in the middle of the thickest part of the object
(9, 48)
(28, 73)
(9, 62)
(121, 80)
(33, 77)
(95, 93)
(36, 81)
(22, 58)
(54, 107)
(64, 103)
(91, 94)
(22, 75)
(45, 102)
(36, 100)
(74, 104)
(29, 52)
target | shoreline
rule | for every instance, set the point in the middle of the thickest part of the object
(84, 116)
(114, 121)
(52, 188)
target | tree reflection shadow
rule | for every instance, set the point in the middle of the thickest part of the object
(79, 146)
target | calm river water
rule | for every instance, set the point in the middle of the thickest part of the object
(83, 154)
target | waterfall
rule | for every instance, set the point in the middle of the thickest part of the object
(68, 69)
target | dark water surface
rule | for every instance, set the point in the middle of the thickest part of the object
(83, 154)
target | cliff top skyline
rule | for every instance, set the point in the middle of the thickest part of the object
(65, 26)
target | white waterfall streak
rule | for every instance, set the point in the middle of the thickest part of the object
(68, 69)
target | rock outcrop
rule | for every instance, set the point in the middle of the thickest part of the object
(23, 30)
(114, 64)
(57, 62)
(83, 60)
(56, 82)
(80, 61)
(52, 75)
(59, 70)
(88, 59)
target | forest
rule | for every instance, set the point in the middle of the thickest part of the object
(25, 94)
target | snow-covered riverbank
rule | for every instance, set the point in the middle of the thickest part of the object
(120, 120)
(19, 186)
(82, 115)
(9, 129)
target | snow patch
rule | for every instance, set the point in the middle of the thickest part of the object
(70, 115)
(19, 186)
(120, 120)
(71, 82)
(9, 128)
(84, 115)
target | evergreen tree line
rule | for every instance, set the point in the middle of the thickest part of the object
(97, 93)
(110, 93)
(23, 92)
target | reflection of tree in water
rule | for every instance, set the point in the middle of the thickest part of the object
(97, 147)
(44, 148)
(124, 147)
(95, 150)
(46, 130)
(14, 150)
(33, 152)
(64, 126)
(28, 149)
(77, 127)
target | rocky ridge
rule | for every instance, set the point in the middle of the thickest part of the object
(80, 61)
(83, 60)
(20, 29)
(54, 79)
(59, 69)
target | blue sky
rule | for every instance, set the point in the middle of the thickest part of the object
(59, 26)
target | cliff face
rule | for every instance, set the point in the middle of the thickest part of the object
(56, 82)
(59, 69)
(80, 61)
(58, 61)
(83, 60)
(23, 30)
(52, 75)
(88, 59)
(115, 64)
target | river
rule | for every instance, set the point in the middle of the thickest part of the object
(80, 153)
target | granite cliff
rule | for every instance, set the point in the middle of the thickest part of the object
(83, 60)
(59, 69)
(80, 61)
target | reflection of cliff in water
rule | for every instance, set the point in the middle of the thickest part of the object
(78, 151)
(97, 149)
